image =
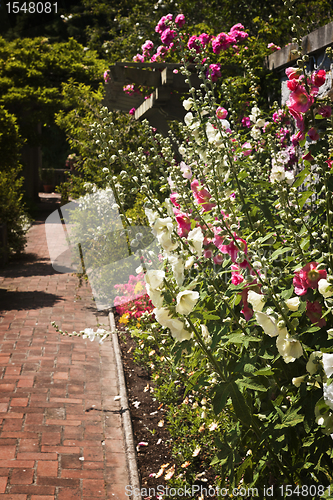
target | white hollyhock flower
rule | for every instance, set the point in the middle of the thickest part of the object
(255, 113)
(255, 133)
(328, 395)
(326, 419)
(163, 228)
(289, 348)
(278, 174)
(195, 238)
(256, 300)
(314, 362)
(298, 380)
(154, 278)
(182, 150)
(189, 263)
(178, 330)
(260, 122)
(328, 364)
(188, 103)
(205, 334)
(293, 303)
(155, 296)
(325, 288)
(151, 216)
(177, 266)
(290, 177)
(186, 301)
(267, 323)
(162, 315)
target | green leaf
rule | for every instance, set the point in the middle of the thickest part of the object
(291, 418)
(304, 197)
(249, 384)
(239, 404)
(264, 371)
(221, 397)
(305, 242)
(280, 251)
(286, 294)
(301, 176)
(267, 237)
(319, 117)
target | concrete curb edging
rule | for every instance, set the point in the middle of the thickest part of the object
(125, 416)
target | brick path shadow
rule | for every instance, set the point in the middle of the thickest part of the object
(18, 300)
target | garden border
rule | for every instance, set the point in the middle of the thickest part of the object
(125, 415)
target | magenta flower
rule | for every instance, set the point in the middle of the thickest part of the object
(236, 275)
(313, 134)
(202, 196)
(221, 113)
(173, 199)
(167, 36)
(147, 47)
(161, 26)
(193, 43)
(314, 312)
(231, 248)
(183, 222)
(132, 111)
(218, 259)
(318, 78)
(237, 27)
(204, 39)
(246, 122)
(221, 42)
(106, 76)
(139, 58)
(247, 148)
(273, 47)
(325, 111)
(308, 156)
(180, 20)
(214, 72)
(291, 73)
(308, 277)
(296, 138)
(299, 119)
(299, 100)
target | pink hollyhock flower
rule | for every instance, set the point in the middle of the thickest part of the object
(246, 122)
(314, 312)
(236, 275)
(325, 111)
(308, 277)
(186, 170)
(173, 199)
(208, 254)
(221, 113)
(308, 156)
(221, 42)
(214, 72)
(106, 76)
(318, 78)
(202, 196)
(139, 58)
(132, 111)
(231, 248)
(247, 148)
(296, 138)
(292, 84)
(246, 311)
(218, 259)
(292, 73)
(273, 47)
(180, 20)
(167, 36)
(161, 26)
(299, 100)
(193, 44)
(183, 222)
(299, 119)
(329, 162)
(204, 39)
(147, 46)
(313, 134)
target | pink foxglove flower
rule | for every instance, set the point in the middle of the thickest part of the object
(308, 277)
(314, 313)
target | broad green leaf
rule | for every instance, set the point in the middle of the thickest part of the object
(305, 242)
(264, 371)
(319, 117)
(291, 418)
(267, 237)
(221, 397)
(301, 176)
(239, 404)
(249, 384)
(304, 196)
(280, 251)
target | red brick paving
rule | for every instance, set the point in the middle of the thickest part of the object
(51, 448)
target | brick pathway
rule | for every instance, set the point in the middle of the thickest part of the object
(51, 447)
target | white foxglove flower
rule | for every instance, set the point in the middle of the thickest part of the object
(186, 301)
(293, 303)
(328, 364)
(154, 278)
(256, 300)
(195, 238)
(325, 288)
(267, 323)
(289, 348)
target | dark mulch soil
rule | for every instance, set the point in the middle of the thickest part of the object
(145, 418)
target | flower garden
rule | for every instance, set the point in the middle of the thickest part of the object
(233, 315)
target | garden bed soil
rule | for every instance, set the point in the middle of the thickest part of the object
(145, 418)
